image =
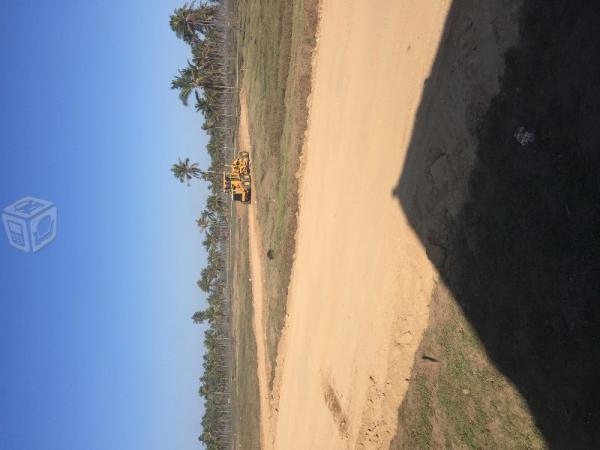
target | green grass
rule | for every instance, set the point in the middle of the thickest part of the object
(460, 401)
(246, 400)
(421, 432)
(275, 46)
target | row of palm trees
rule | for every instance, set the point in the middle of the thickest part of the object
(207, 78)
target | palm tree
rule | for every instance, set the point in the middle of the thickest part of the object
(214, 203)
(202, 105)
(182, 23)
(190, 79)
(205, 219)
(184, 171)
(202, 223)
(200, 316)
(186, 82)
(188, 20)
(203, 51)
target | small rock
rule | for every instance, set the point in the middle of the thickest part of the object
(523, 136)
(465, 391)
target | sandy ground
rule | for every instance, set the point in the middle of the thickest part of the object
(361, 282)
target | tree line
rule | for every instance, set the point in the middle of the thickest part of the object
(207, 79)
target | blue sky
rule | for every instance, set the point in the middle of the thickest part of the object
(96, 343)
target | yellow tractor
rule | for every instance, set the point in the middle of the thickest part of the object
(238, 180)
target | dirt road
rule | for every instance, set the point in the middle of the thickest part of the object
(258, 326)
(257, 290)
(361, 282)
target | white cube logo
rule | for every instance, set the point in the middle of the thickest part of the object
(30, 223)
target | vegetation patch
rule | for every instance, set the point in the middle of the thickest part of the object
(457, 398)
(246, 401)
(276, 42)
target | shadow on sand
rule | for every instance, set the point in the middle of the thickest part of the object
(522, 255)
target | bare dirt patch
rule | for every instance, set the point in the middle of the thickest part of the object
(361, 281)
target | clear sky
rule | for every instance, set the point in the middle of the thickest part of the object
(97, 348)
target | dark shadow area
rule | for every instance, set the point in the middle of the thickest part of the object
(522, 254)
